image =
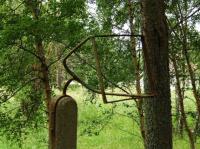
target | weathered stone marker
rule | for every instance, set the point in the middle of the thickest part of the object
(63, 123)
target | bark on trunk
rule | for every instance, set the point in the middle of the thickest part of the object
(158, 121)
(179, 121)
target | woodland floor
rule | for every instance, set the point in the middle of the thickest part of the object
(99, 129)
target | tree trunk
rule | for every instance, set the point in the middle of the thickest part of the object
(194, 88)
(34, 7)
(179, 121)
(136, 64)
(191, 73)
(158, 121)
(184, 31)
(59, 74)
(180, 99)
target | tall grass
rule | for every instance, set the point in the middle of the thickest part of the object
(118, 131)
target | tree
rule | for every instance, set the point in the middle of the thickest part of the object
(158, 121)
(182, 47)
(25, 64)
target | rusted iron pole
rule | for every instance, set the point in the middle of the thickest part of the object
(98, 69)
(63, 123)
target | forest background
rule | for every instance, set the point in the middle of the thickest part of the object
(36, 35)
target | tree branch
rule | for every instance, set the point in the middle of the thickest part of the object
(17, 90)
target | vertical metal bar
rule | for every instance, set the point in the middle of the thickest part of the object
(98, 69)
(64, 123)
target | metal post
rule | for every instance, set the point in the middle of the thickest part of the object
(98, 69)
(64, 123)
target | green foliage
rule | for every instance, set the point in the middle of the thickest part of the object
(115, 61)
(61, 25)
(119, 130)
(20, 79)
(94, 118)
(22, 115)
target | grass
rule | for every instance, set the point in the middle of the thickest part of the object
(120, 131)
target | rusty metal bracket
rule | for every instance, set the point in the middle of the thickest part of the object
(98, 69)
(99, 72)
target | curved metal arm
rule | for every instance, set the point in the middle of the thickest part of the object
(102, 92)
